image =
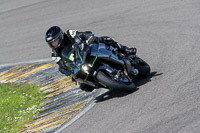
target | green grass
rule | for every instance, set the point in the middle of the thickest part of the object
(18, 104)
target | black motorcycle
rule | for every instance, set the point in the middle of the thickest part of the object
(99, 65)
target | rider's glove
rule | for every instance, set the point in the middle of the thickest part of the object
(130, 51)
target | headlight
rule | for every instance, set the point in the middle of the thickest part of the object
(85, 68)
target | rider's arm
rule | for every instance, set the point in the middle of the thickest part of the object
(77, 37)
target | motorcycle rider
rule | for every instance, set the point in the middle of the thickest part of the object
(57, 40)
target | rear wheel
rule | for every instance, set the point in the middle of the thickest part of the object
(107, 81)
(143, 68)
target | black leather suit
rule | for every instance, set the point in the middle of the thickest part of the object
(72, 37)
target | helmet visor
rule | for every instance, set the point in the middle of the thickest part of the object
(55, 43)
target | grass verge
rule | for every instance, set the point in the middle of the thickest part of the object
(18, 104)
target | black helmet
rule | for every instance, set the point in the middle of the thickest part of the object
(54, 37)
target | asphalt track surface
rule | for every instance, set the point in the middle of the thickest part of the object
(166, 34)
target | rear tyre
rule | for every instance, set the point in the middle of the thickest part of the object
(114, 85)
(143, 68)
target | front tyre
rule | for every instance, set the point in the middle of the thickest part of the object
(114, 85)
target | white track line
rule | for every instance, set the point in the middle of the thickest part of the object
(25, 62)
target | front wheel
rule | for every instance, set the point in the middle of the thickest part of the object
(115, 85)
